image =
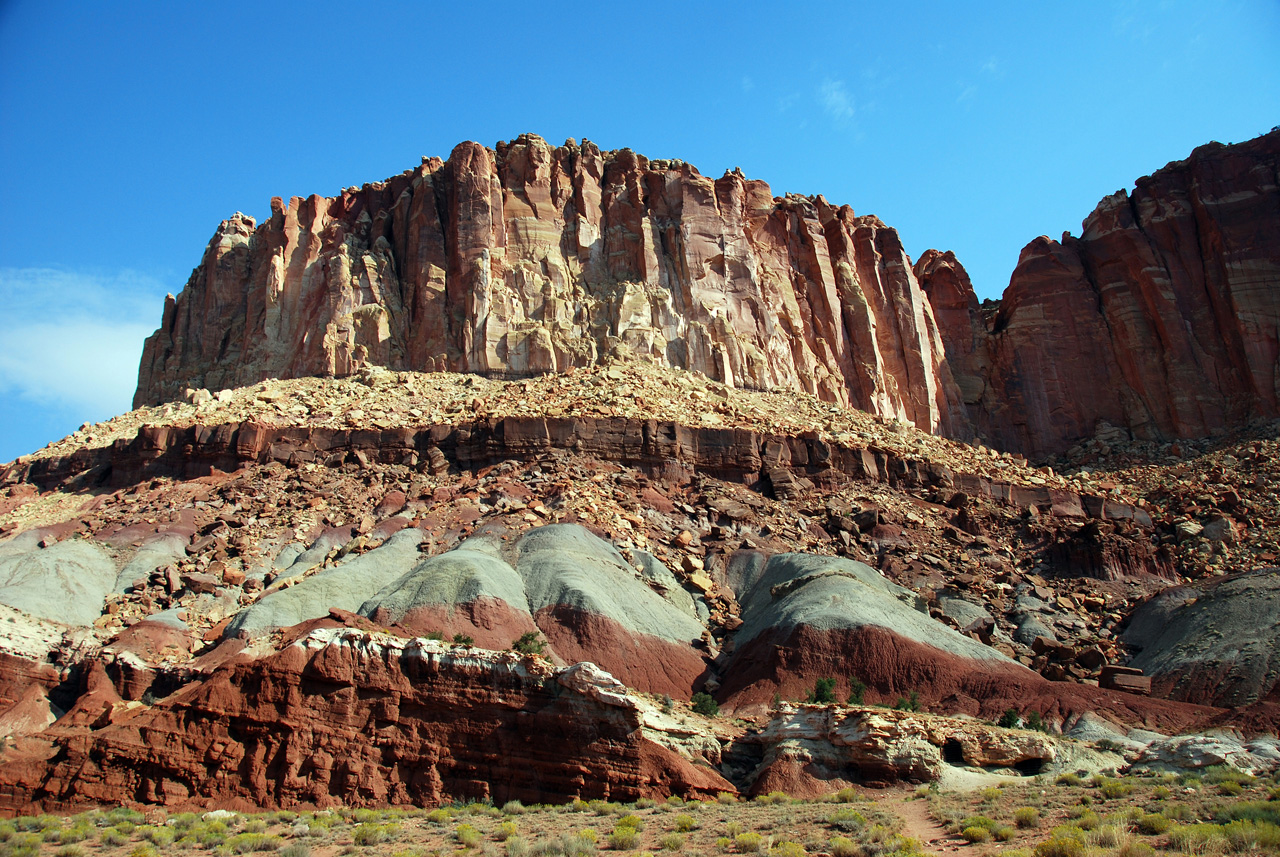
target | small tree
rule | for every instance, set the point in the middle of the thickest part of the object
(1010, 718)
(911, 704)
(529, 644)
(856, 690)
(1034, 721)
(824, 691)
(706, 706)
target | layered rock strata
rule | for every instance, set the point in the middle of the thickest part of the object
(345, 717)
(1161, 321)
(529, 259)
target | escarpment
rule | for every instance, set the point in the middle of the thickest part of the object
(531, 259)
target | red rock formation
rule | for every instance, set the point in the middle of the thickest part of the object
(1161, 319)
(343, 717)
(531, 259)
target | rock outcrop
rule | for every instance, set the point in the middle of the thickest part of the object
(528, 259)
(345, 717)
(1161, 321)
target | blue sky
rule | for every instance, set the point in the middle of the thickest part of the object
(129, 130)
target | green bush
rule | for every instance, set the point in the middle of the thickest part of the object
(979, 821)
(1197, 838)
(1152, 824)
(1035, 722)
(733, 828)
(787, 849)
(505, 831)
(857, 690)
(1135, 848)
(685, 823)
(726, 797)
(1060, 845)
(244, 843)
(1003, 833)
(1251, 836)
(529, 643)
(1161, 793)
(514, 807)
(824, 691)
(1230, 788)
(671, 842)
(112, 838)
(749, 842)
(517, 847)
(161, 837)
(1010, 718)
(724, 844)
(69, 851)
(1068, 779)
(1026, 817)
(624, 839)
(373, 833)
(467, 836)
(440, 816)
(144, 850)
(975, 834)
(1249, 810)
(843, 846)
(704, 704)
(911, 703)
(847, 819)
(1113, 789)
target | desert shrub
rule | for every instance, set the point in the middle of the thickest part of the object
(256, 825)
(587, 835)
(77, 832)
(749, 842)
(990, 794)
(630, 820)
(1107, 836)
(144, 850)
(440, 816)
(514, 807)
(373, 834)
(787, 849)
(1085, 819)
(1230, 788)
(1249, 810)
(846, 795)
(774, 797)
(1178, 812)
(1135, 848)
(909, 703)
(1252, 836)
(685, 823)
(1152, 824)
(529, 643)
(705, 704)
(296, 849)
(976, 834)
(517, 847)
(1010, 719)
(1068, 779)
(21, 845)
(7, 830)
(726, 797)
(69, 851)
(733, 828)
(160, 837)
(505, 831)
(724, 844)
(467, 836)
(1112, 789)
(843, 846)
(1035, 722)
(979, 821)
(1061, 844)
(857, 690)
(1026, 817)
(847, 819)
(671, 842)
(624, 839)
(675, 800)
(1197, 838)
(1161, 793)
(245, 843)
(1217, 774)
(112, 838)
(824, 691)
(1003, 833)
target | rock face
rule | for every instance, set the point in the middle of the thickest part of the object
(1216, 644)
(1162, 320)
(345, 717)
(531, 259)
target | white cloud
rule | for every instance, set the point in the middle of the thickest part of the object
(835, 100)
(71, 341)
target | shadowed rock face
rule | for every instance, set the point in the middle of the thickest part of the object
(1162, 318)
(531, 259)
(1218, 643)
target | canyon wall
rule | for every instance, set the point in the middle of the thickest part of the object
(531, 259)
(1162, 319)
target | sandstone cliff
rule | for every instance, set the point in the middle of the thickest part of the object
(530, 259)
(1161, 320)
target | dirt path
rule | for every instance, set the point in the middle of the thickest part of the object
(919, 824)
